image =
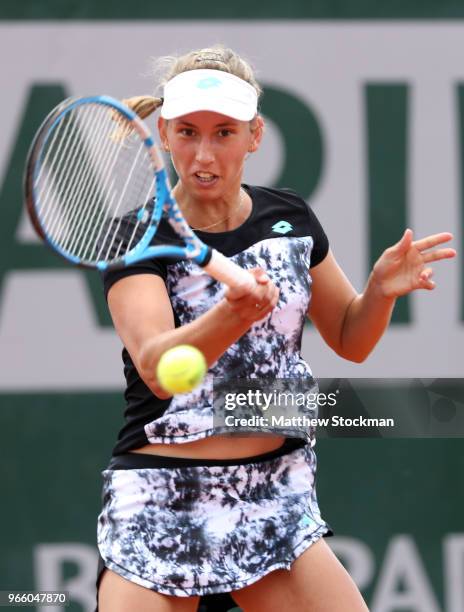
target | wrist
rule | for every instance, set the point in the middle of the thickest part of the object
(232, 318)
(379, 289)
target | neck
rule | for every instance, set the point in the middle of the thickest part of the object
(219, 214)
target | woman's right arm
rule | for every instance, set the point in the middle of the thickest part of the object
(143, 318)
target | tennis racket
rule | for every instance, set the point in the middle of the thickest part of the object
(96, 189)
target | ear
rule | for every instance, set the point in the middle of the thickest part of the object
(163, 131)
(257, 132)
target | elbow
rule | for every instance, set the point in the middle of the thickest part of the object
(356, 356)
(160, 393)
(352, 349)
(353, 358)
(146, 363)
(151, 381)
(148, 355)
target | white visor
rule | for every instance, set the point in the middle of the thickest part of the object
(209, 90)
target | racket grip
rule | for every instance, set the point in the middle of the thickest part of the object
(227, 272)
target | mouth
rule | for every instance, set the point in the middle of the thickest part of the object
(206, 178)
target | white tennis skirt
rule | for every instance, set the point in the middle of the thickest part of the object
(205, 529)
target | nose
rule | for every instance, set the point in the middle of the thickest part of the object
(204, 153)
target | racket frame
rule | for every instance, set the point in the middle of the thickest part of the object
(214, 263)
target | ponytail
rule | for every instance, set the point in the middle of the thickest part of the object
(143, 105)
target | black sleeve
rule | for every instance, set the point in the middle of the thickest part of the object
(321, 242)
(149, 266)
(158, 266)
(315, 229)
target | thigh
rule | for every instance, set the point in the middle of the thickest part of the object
(116, 594)
(316, 582)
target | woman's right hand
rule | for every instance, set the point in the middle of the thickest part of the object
(254, 305)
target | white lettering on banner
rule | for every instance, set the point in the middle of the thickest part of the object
(325, 65)
(453, 552)
(48, 564)
(403, 583)
(402, 566)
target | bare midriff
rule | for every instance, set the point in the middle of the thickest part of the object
(216, 447)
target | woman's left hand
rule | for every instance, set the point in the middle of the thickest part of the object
(403, 267)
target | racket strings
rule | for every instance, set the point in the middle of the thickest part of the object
(76, 175)
(91, 202)
(52, 163)
(91, 211)
(126, 230)
(64, 173)
(130, 173)
(94, 191)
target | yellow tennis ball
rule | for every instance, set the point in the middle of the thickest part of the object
(181, 368)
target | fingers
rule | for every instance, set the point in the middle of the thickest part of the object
(258, 303)
(433, 240)
(438, 254)
(426, 274)
(425, 243)
(435, 255)
(261, 278)
(429, 285)
(264, 308)
(404, 243)
(425, 279)
(251, 312)
(260, 275)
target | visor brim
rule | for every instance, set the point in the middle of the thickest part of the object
(229, 108)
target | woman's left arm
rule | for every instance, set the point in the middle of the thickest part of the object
(351, 323)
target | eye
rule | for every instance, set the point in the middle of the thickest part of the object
(185, 131)
(225, 132)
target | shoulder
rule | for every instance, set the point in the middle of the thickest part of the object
(286, 213)
(285, 204)
(273, 195)
(280, 201)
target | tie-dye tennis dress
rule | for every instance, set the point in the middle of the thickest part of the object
(193, 527)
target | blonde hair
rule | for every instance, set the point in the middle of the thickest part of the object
(216, 57)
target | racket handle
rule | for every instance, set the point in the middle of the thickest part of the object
(227, 272)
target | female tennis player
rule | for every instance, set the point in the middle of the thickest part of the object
(188, 510)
